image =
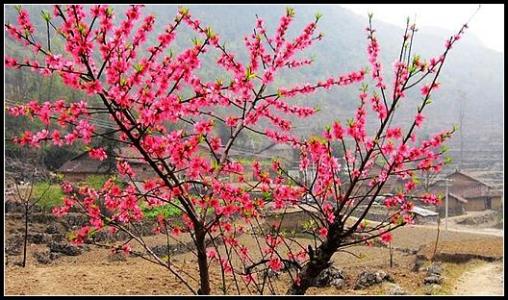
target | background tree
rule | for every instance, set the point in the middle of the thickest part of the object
(24, 183)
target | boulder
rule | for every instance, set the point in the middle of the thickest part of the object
(162, 250)
(117, 256)
(330, 276)
(14, 245)
(43, 257)
(432, 289)
(55, 228)
(65, 249)
(419, 262)
(43, 218)
(395, 289)
(338, 283)
(433, 279)
(271, 274)
(39, 238)
(54, 255)
(434, 269)
(368, 278)
(14, 207)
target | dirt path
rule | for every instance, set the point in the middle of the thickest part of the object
(487, 279)
(465, 229)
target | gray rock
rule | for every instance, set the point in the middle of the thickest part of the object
(118, 256)
(65, 249)
(432, 289)
(43, 257)
(14, 246)
(434, 269)
(338, 283)
(14, 206)
(433, 279)
(419, 261)
(271, 274)
(39, 238)
(330, 276)
(58, 237)
(395, 289)
(55, 228)
(367, 278)
(54, 255)
(162, 250)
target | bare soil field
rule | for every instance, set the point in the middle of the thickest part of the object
(95, 273)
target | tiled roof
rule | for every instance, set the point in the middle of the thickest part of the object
(459, 198)
(84, 164)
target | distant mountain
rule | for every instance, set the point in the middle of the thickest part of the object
(472, 76)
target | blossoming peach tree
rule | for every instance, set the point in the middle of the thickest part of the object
(165, 112)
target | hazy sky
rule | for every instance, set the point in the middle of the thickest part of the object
(487, 24)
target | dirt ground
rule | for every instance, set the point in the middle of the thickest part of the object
(485, 279)
(94, 273)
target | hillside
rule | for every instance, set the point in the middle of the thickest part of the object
(472, 78)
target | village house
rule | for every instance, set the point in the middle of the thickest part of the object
(456, 206)
(391, 186)
(467, 193)
(79, 168)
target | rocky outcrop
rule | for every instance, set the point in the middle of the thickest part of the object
(368, 278)
(331, 276)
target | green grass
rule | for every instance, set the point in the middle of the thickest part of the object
(50, 195)
(167, 211)
(96, 181)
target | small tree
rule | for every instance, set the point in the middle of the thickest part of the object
(24, 185)
(165, 111)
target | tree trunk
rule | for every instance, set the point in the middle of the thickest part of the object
(26, 236)
(204, 277)
(319, 259)
(317, 263)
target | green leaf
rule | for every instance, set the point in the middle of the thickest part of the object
(81, 28)
(109, 11)
(46, 15)
(290, 11)
(183, 11)
(364, 87)
(196, 41)
(209, 33)
(416, 58)
(249, 75)
(318, 16)
(138, 67)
